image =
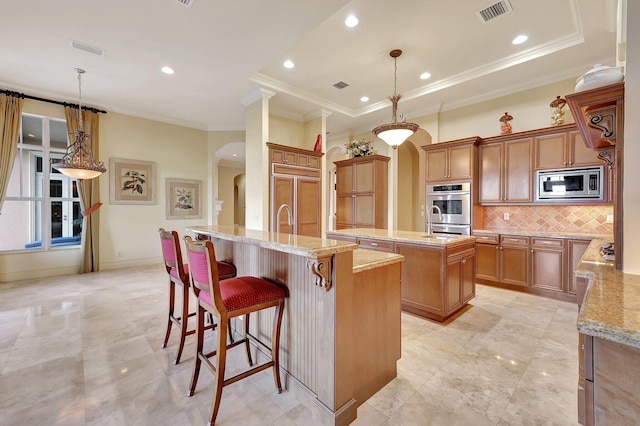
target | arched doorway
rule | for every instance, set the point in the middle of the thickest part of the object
(411, 184)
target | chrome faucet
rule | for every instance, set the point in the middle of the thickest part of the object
(289, 217)
(429, 219)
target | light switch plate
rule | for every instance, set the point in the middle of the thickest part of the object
(609, 218)
(506, 216)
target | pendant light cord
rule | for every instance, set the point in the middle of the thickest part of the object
(80, 123)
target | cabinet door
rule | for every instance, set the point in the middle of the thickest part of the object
(579, 153)
(491, 173)
(344, 180)
(302, 160)
(575, 250)
(549, 151)
(314, 162)
(436, 160)
(460, 162)
(517, 180)
(364, 177)
(308, 207)
(364, 208)
(453, 288)
(344, 210)
(283, 188)
(547, 269)
(514, 265)
(487, 261)
(468, 282)
(284, 157)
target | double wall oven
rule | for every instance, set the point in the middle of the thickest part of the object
(454, 202)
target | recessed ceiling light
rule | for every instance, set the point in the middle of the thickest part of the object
(288, 64)
(167, 70)
(364, 99)
(425, 76)
(234, 155)
(351, 21)
(520, 39)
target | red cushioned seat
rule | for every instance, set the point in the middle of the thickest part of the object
(243, 292)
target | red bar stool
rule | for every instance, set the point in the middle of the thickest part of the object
(179, 275)
(225, 300)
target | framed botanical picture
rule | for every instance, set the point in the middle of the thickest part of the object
(132, 181)
(184, 199)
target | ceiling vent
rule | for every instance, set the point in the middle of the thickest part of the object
(340, 85)
(494, 11)
(186, 3)
(87, 48)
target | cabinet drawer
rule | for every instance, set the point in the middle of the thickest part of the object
(547, 242)
(488, 239)
(379, 245)
(514, 240)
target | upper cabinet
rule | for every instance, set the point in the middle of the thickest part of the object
(453, 160)
(506, 170)
(291, 156)
(562, 147)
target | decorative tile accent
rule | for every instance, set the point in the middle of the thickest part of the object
(587, 219)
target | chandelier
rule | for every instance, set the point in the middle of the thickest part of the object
(78, 162)
(396, 132)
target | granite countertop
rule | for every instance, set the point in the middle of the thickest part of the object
(406, 236)
(611, 306)
(551, 234)
(286, 243)
(364, 259)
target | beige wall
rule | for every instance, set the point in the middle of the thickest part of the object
(285, 131)
(226, 180)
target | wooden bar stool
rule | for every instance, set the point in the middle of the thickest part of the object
(179, 275)
(225, 300)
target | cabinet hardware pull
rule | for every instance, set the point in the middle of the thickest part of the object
(464, 261)
(514, 240)
(531, 251)
(374, 244)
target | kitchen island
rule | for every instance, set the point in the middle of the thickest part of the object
(341, 328)
(438, 273)
(609, 344)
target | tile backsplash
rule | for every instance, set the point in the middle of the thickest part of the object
(550, 218)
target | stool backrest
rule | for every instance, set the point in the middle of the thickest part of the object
(204, 270)
(171, 251)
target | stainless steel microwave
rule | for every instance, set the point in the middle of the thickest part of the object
(585, 183)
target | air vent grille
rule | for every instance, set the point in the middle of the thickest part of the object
(186, 3)
(87, 48)
(340, 85)
(495, 10)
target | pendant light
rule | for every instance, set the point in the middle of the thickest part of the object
(396, 132)
(78, 161)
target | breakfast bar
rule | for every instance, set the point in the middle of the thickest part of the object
(341, 327)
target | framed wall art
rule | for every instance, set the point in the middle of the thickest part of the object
(184, 199)
(132, 181)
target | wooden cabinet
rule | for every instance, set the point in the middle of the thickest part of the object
(294, 156)
(536, 264)
(454, 160)
(436, 282)
(505, 171)
(297, 185)
(548, 263)
(362, 192)
(563, 148)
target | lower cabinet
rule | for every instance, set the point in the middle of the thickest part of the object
(547, 263)
(539, 265)
(436, 282)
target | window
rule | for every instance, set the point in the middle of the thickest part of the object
(41, 210)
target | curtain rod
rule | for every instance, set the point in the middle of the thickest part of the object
(65, 104)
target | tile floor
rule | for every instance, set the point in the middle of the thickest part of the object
(86, 350)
